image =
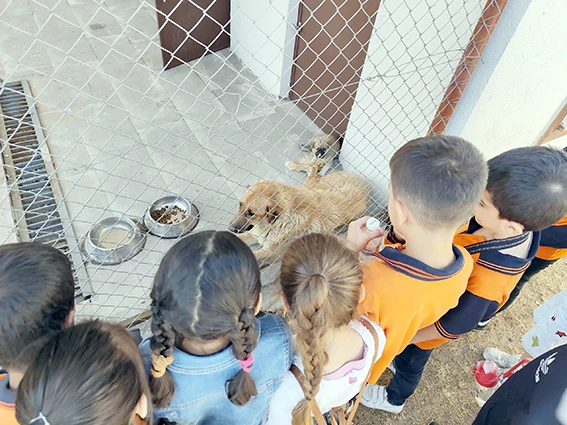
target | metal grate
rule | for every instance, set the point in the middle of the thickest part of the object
(29, 171)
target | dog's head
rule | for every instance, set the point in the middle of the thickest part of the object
(258, 205)
(323, 144)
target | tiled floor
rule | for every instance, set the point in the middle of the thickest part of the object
(123, 132)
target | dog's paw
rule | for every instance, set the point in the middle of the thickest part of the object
(292, 165)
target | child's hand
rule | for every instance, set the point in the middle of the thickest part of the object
(358, 236)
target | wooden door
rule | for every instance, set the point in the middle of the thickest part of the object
(193, 28)
(330, 52)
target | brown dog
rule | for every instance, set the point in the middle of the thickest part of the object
(271, 212)
(322, 151)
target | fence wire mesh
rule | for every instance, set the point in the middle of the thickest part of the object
(133, 100)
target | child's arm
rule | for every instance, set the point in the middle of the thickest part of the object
(426, 334)
(459, 320)
(358, 236)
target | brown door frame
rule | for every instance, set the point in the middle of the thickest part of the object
(479, 39)
(295, 69)
(555, 129)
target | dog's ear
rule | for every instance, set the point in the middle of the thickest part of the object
(273, 212)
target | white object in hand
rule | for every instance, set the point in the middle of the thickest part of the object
(373, 224)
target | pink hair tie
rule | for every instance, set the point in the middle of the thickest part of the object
(247, 363)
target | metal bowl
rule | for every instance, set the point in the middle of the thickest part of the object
(177, 227)
(114, 240)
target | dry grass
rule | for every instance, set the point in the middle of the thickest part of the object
(446, 392)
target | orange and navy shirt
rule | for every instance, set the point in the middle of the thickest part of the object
(7, 401)
(404, 295)
(493, 278)
(553, 245)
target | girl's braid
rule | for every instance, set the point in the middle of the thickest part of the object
(310, 332)
(161, 343)
(311, 322)
(163, 338)
(244, 336)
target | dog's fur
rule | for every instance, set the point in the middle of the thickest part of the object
(322, 151)
(271, 213)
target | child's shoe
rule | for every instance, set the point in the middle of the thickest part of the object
(482, 325)
(502, 359)
(375, 397)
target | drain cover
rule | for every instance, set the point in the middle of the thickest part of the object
(39, 213)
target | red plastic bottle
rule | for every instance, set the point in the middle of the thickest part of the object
(487, 378)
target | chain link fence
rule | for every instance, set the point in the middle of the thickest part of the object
(109, 105)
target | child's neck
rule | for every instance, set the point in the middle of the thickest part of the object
(520, 251)
(342, 345)
(15, 378)
(204, 347)
(490, 234)
(432, 248)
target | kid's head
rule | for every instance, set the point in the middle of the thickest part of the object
(206, 288)
(435, 184)
(526, 191)
(321, 283)
(89, 374)
(36, 300)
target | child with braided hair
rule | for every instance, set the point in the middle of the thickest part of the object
(212, 357)
(321, 281)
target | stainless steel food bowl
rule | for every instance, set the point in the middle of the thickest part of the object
(114, 240)
(177, 228)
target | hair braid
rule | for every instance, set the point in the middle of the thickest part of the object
(161, 343)
(244, 338)
(310, 331)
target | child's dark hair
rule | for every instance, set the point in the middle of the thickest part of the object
(529, 186)
(89, 374)
(207, 287)
(36, 297)
(440, 178)
(321, 280)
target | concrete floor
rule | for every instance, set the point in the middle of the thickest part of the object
(122, 132)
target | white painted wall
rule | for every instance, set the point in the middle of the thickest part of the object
(262, 35)
(413, 52)
(521, 82)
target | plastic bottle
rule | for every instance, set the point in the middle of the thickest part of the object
(373, 224)
(487, 378)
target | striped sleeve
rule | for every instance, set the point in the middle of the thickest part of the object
(465, 317)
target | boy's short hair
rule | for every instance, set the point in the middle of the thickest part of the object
(37, 294)
(529, 186)
(440, 179)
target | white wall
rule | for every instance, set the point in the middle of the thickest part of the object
(413, 52)
(262, 35)
(521, 82)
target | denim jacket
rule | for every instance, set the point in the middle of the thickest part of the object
(200, 397)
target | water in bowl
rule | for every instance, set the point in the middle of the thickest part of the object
(114, 237)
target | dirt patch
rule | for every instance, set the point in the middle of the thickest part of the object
(446, 392)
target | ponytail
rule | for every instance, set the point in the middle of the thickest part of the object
(320, 281)
(241, 388)
(161, 344)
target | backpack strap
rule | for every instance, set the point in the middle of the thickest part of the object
(300, 377)
(366, 323)
(497, 244)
